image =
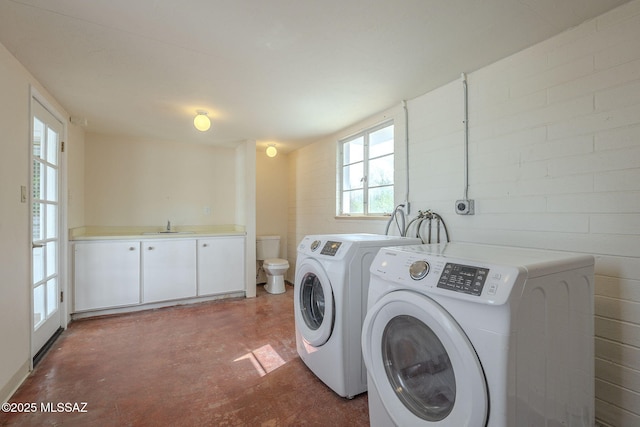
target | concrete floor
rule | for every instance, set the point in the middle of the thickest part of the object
(223, 363)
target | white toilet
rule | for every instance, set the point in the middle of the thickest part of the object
(267, 251)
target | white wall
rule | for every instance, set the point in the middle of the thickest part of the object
(15, 244)
(75, 176)
(14, 223)
(245, 181)
(137, 182)
(272, 196)
(554, 163)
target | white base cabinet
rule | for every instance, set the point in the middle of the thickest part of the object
(220, 265)
(168, 270)
(106, 274)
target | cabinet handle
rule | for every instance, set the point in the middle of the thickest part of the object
(150, 248)
(132, 248)
(204, 245)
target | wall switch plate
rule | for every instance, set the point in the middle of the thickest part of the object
(465, 207)
(23, 194)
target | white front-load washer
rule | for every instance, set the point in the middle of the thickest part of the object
(330, 299)
(477, 335)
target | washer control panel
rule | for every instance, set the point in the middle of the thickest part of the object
(412, 267)
(324, 248)
(330, 248)
(463, 278)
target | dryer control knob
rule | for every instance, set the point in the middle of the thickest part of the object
(315, 245)
(419, 270)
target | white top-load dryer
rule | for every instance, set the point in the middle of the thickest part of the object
(330, 299)
(477, 335)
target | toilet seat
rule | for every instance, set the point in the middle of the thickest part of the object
(275, 262)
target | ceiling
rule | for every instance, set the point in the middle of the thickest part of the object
(275, 71)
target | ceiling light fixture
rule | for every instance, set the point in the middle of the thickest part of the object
(271, 150)
(201, 121)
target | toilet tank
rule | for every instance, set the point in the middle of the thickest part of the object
(267, 247)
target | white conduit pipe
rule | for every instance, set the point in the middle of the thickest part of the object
(406, 150)
(466, 136)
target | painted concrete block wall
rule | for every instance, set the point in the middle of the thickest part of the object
(554, 164)
(312, 187)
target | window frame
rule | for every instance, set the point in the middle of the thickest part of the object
(366, 160)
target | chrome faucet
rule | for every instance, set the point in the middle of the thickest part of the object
(168, 225)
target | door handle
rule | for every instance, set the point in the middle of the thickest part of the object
(37, 245)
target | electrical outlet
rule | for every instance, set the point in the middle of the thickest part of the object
(464, 207)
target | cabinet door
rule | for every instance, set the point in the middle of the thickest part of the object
(106, 274)
(169, 270)
(221, 265)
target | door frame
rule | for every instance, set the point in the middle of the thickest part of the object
(63, 255)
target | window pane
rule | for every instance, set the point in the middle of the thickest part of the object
(352, 176)
(353, 151)
(52, 227)
(380, 200)
(381, 171)
(38, 180)
(37, 221)
(353, 202)
(38, 264)
(38, 132)
(52, 258)
(52, 146)
(38, 306)
(52, 291)
(52, 184)
(381, 142)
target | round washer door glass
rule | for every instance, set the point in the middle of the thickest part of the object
(418, 368)
(312, 301)
(421, 363)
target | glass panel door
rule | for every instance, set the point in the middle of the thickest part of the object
(45, 220)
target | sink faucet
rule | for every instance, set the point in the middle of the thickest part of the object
(168, 225)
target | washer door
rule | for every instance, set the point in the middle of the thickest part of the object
(314, 303)
(422, 363)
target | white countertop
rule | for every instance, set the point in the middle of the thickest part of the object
(153, 232)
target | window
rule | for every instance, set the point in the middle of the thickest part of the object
(366, 172)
